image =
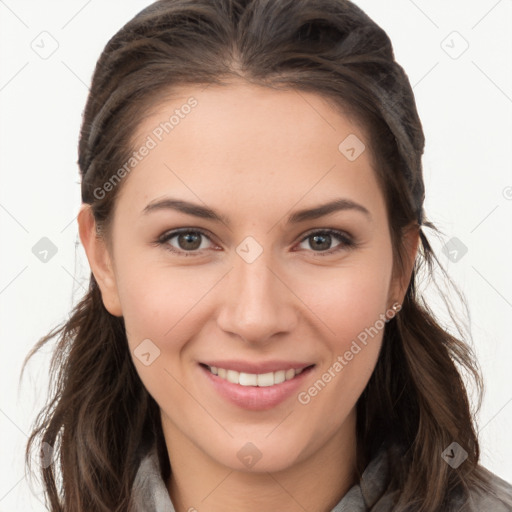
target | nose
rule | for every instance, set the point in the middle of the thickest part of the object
(257, 304)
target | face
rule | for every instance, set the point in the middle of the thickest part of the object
(225, 269)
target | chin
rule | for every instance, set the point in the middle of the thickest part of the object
(261, 455)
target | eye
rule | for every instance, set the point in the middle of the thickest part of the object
(322, 239)
(188, 241)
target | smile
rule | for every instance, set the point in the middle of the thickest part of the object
(259, 386)
(255, 379)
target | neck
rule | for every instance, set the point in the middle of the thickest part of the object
(317, 483)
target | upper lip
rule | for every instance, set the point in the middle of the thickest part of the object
(254, 367)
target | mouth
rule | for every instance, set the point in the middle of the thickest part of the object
(258, 389)
(266, 379)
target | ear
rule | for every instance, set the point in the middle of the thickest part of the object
(402, 275)
(99, 260)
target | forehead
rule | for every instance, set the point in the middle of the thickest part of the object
(247, 143)
(255, 112)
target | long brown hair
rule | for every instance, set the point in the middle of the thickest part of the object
(99, 417)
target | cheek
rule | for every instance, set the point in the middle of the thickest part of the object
(349, 299)
(161, 305)
(159, 301)
(155, 292)
(351, 302)
(353, 312)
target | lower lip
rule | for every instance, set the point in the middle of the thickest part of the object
(256, 398)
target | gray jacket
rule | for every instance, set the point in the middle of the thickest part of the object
(150, 493)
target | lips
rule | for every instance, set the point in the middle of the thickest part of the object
(256, 386)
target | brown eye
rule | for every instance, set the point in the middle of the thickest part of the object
(186, 241)
(189, 241)
(321, 241)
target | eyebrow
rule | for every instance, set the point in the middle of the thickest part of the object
(204, 212)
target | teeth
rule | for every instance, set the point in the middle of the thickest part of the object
(252, 379)
(232, 376)
(266, 379)
(279, 377)
(247, 379)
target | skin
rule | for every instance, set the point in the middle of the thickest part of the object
(254, 155)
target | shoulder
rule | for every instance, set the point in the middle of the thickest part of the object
(491, 494)
(496, 498)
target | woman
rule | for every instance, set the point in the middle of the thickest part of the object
(253, 337)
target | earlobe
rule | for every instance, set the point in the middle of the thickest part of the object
(99, 260)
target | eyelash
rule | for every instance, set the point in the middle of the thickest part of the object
(347, 241)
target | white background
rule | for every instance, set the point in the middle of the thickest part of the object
(465, 104)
